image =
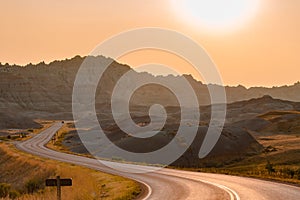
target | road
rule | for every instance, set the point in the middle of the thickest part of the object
(167, 184)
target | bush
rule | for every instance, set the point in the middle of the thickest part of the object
(4, 190)
(291, 173)
(270, 168)
(34, 185)
(13, 194)
(298, 173)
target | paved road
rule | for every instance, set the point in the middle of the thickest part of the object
(173, 184)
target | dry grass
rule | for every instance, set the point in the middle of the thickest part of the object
(16, 168)
(275, 114)
(56, 143)
(45, 123)
(31, 132)
(282, 151)
(280, 139)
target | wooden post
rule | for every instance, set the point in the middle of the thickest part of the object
(58, 188)
(58, 183)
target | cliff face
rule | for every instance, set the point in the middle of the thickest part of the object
(46, 89)
(43, 90)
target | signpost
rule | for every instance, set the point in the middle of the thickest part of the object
(58, 182)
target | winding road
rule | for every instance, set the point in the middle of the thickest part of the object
(165, 184)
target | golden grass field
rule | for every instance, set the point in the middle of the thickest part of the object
(281, 142)
(18, 168)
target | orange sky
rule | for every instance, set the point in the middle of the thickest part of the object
(263, 51)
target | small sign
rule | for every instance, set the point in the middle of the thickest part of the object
(63, 182)
(58, 182)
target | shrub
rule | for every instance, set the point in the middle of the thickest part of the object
(13, 194)
(298, 173)
(34, 185)
(4, 190)
(291, 173)
(270, 167)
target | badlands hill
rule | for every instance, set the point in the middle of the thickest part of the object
(45, 90)
(247, 123)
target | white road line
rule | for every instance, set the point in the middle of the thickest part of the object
(148, 187)
(232, 193)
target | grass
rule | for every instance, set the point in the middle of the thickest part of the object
(257, 171)
(282, 151)
(14, 135)
(56, 142)
(281, 142)
(18, 169)
(275, 114)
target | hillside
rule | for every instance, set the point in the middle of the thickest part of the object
(45, 90)
(246, 123)
(24, 176)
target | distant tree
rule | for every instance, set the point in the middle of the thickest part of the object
(291, 172)
(270, 168)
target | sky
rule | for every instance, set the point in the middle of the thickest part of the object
(260, 48)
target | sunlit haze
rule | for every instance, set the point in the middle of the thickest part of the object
(215, 14)
(253, 43)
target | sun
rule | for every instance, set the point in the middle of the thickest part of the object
(216, 13)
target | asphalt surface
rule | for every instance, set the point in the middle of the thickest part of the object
(165, 184)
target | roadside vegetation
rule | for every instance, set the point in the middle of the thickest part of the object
(24, 134)
(57, 140)
(22, 176)
(280, 158)
(268, 171)
(280, 166)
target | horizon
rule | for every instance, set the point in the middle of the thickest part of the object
(252, 47)
(153, 74)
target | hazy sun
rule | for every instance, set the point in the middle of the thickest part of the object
(216, 13)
